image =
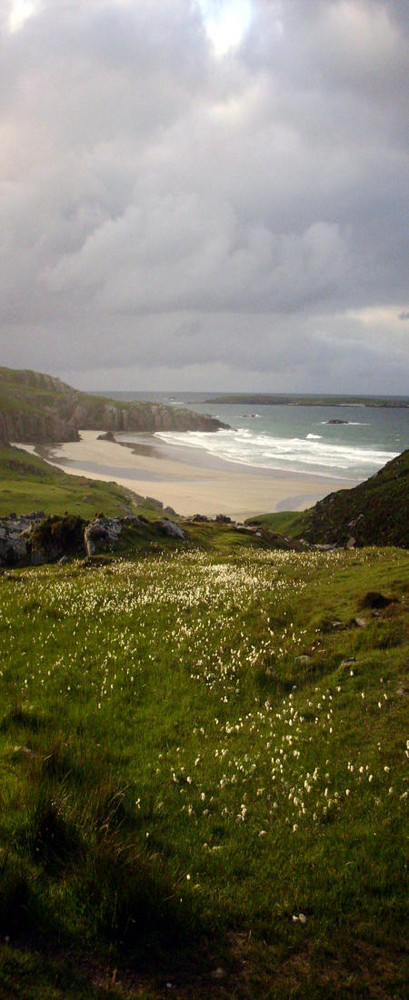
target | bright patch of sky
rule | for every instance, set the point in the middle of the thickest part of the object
(226, 22)
(21, 10)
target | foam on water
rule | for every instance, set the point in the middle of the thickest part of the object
(309, 455)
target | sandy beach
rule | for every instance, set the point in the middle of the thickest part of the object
(187, 479)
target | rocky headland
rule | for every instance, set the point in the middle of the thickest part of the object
(37, 408)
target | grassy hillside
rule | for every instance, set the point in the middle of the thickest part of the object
(29, 484)
(373, 513)
(287, 522)
(204, 777)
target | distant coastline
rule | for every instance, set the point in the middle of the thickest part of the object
(263, 399)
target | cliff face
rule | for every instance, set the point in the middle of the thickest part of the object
(39, 408)
(94, 413)
(32, 427)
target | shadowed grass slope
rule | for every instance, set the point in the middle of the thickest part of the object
(373, 513)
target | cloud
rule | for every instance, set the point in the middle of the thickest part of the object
(164, 204)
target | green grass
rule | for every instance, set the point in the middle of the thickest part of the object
(27, 483)
(188, 763)
(285, 522)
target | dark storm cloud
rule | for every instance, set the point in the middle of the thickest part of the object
(162, 206)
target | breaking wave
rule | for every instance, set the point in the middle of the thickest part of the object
(309, 455)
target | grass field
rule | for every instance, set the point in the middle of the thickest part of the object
(204, 776)
(28, 483)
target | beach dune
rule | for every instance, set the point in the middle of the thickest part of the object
(187, 479)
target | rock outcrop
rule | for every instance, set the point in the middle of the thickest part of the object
(14, 539)
(54, 537)
(37, 539)
(102, 535)
(172, 530)
(34, 539)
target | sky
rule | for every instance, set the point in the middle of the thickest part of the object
(206, 194)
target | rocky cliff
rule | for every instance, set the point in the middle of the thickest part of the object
(40, 408)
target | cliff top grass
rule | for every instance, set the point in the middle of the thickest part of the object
(204, 777)
(25, 389)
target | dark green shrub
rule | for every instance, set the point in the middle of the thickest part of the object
(59, 535)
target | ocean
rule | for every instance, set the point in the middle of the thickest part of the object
(292, 438)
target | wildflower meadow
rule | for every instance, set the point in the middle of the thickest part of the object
(205, 776)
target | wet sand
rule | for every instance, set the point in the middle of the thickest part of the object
(187, 479)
